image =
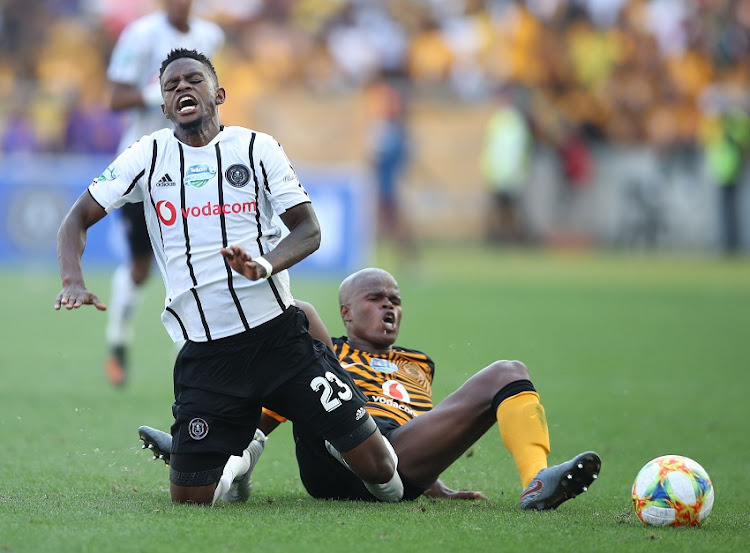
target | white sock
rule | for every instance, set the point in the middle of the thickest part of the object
(238, 466)
(390, 491)
(122, 304)
(222, 487)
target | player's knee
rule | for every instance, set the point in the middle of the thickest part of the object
(371, 461)
(193, 477)
(196, 495)
(378, 468)
(506, 371)
(382, 471)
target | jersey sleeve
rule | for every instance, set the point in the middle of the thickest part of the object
(129, 58)
(122, 181)
(280, 178)
(217, 39)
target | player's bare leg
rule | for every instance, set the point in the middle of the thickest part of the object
(500, 393)
(127, 284)
(430, 443)
(374, 461)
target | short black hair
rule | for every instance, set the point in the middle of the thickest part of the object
(179, 53)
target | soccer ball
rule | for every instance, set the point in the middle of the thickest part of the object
(672, 490)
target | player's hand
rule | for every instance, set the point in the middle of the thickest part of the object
(74, 296)
(441, 491)
(241, 262)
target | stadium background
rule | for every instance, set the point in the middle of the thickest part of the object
(643, 82)
(635, 355)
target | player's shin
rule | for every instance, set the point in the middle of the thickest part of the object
(125, 297)
(523, 429)
(390, 491)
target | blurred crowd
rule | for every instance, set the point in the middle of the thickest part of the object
(659, 72)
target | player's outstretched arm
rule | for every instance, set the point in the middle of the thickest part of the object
(71, 241)
(440, 490)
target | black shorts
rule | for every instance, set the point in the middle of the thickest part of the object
(135, 228)
(221, 385)
(326, 478)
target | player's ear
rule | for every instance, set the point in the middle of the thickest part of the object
(345, 313)
(164, 111)
(221, 95)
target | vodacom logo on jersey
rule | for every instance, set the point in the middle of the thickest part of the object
(396, 390)
(167, 212)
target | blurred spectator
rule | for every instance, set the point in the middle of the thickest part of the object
(575, 158)
(577, 166)
(390, 153)
(726, 136)
(629, 72)
(18, 135)
(601, 62)
(92, 129)
(430, 58)
(505, 167)
(363, 39)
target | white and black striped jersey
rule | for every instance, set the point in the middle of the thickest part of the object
(137, 57)
(196, 201)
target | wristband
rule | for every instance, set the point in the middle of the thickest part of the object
(152, 95)
(265, 264)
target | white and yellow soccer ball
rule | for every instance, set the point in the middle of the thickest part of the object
(672, 490)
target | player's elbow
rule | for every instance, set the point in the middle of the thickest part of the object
(314, 242)
(310, 236)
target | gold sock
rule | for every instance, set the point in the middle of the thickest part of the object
(523, 429)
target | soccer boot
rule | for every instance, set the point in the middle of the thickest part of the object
(239, 490)
(160, 443)
(116, 366)
(555, 485)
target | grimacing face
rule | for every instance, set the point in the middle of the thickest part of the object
(190, 93)
(373, 312)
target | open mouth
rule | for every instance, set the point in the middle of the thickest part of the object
(389, 320)
(186, 104)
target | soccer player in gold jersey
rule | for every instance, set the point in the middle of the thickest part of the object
(427, 439)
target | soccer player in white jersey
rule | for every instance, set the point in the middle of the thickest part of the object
(209, 194)
(133, 75)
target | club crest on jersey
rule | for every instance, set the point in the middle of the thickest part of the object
(396, 390)
(198, 175)
(237, 175)
(110, 173)
(198, 429)
(383, 365)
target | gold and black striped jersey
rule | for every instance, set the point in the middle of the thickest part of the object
(397, 385)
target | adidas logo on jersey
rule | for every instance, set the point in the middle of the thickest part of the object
(166, 180)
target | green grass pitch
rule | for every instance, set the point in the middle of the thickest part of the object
(634, 356)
